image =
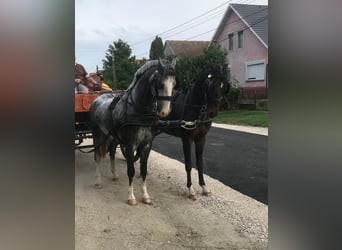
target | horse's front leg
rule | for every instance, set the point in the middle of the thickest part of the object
(130, 173)
(144, 154)
(98, 181)
(187, 158)
(199, 145)
(112, 151)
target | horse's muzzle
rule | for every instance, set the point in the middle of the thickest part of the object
(213, 109)
(164, 98)
(163, 114)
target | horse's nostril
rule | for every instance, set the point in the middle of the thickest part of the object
(163, 114)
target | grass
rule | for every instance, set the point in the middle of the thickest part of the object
(258, 118)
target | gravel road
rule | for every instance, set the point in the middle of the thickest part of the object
(103, 219)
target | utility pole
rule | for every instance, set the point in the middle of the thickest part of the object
(114, 74)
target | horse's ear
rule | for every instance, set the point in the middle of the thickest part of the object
(173, 63)
(161, 62)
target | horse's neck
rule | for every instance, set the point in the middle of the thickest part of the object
(187, 104)
(195, 96)
(141, 94)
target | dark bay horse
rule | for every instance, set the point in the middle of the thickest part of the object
(198, 105)
(129, 120)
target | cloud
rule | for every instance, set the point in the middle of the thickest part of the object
(99, 23)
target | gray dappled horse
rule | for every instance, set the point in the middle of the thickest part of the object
(198, 104)
(128, 119)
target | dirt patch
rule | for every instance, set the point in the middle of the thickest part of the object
(103, 220)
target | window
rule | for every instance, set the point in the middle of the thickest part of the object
(255, 70)
(230, 41)
(240, 39)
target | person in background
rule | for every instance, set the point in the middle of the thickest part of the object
(104, 85)
(81, 76)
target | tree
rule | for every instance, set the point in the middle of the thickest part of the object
(125, 65)
(157, 48)
(188, 68)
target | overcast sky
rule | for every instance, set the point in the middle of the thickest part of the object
(100, 22)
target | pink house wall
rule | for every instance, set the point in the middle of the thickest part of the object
(252, 50)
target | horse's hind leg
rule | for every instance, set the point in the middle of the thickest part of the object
(98, 181)
(130, 173)
(100, 145)
(199, 145)
(112, 150)
(187, 158)
(144, 154)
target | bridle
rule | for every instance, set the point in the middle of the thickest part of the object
(208, 82)
(155, 81)
(203, 115)
(218, 80)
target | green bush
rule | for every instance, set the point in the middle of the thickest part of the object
(233, 97)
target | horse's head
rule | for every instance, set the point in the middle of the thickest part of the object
(216, 86)
(164, 86)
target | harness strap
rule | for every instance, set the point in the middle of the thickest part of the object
(188, 125)
(165, 98)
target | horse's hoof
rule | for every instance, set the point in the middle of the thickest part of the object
(98, 186)
(192, 197)
(115, 178)
(132, 202)
(207, 193)
(147, 200)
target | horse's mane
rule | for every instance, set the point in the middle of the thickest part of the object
(148, 65)
(199, 81)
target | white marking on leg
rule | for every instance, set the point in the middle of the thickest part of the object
(146, 197)
(205, 190)
(191, 191)
(192, 194)
(144, 190)
(98, 181)
(131, 193)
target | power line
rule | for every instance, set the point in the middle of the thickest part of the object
(188, 25)
(248, 27)
(220, 11)
(229, 23)
(180, 25)
(200, 34)
(195, 25)
(256, 12)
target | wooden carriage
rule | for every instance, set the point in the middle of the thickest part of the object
(83, 102)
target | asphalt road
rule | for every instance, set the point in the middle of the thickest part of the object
(237, 159)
